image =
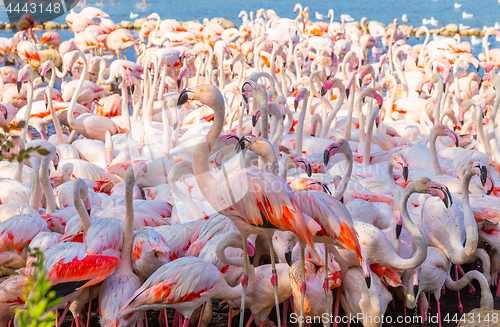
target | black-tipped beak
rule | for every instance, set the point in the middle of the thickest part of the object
(183, 97)
(448, 202)
(324, 186)
(132, 88)
(444, 87)
(288, 257)
(244, 98)
(415, 289)
(480, 83)
(492, 186)
(19, 85)
(46, 107)
(360, 81)
(405, 173)
(399, 228)
(254, 120)
(323, 92)
(347, 91)
(368, 281)
(295, 104)
(456, 141)
(88, 211)
(475, 137)
(6, 114)
(326, 157)
(55, 168)
(380, 107)
(461, 122)
(308, 170)
(251, 259)
(376, 124)
(43, 78)
(419, 92)
(484, 175)
(178, 83)
(175, 125)
(241, 144)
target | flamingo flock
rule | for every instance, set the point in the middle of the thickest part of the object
(289, 163)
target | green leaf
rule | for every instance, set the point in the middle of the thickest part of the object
(43, 152)
(10, 144)
(21, 124)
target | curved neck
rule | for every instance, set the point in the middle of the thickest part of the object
(418, 238)
(348, 123)
(373, 113)
(128, 231)
(36, 189)
(77, 200)
(287, 165)
(469, 220)
(437, 113)
(333, 111)
(100, 77)
(46, 186)
(27, 114)
(233, 293)
(390, 179)
(421, 58)
(486, 297)
(71, 119)
(125, 113)
(55, 119)
(491, 126)
(399, 70)
(279, 129)
(478, 115)
(300, 126)
(434, 155)
(339, 191)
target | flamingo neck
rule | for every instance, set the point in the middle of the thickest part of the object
(128, 231)
(434, 155)
(27, 114)
(333, 111)
(348, 123)
(71, 118)
(339, 191)
(469, 220)
(173, 176)
(36, 189)
(84, 216)
(300, 126)
(45, 183)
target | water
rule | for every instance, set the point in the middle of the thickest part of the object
(486, 12)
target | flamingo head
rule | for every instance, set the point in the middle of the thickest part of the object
(333, 149)
(378, 98)
(425, 185)
(255, 117)
(326, 86)
(229, 139)
(317, 185)
(399, 161)
(302, 163)
(442, 130)
(299, 97)
(247, 88)
(4, 111)
(245, 142)
(480, 170)
(281, 102)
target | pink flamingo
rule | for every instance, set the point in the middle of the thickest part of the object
(186, 283)
(255, 209)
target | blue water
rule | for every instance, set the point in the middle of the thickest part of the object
(486, 12)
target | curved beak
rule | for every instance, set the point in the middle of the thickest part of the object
(242, 144)
(183, 97)
(453, 136)
(484, 175)
(308, 169)
(19, 85)
(405, 173)
(324, 186)
(326, 156)
(442, 192)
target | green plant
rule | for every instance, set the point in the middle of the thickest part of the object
(6, 145)
(40, 300)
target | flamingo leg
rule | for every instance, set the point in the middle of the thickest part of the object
(460, 306)
(230, 317)
(472, 289)
(90, 305)
(64, 314)
(145, 318)
(498, 286)
(274, 281)
(285, 312)
(303, 287)
(325, 283)
(201, 314)
(337, 304)
(186, 322)
(404, 308)
(244, 281)
(439, 312)
(250, 320)
(176, 317)
(166, 317)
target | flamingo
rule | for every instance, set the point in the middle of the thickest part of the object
(248, 218)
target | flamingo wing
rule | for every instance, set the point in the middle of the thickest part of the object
(182, 280)
(18, 231)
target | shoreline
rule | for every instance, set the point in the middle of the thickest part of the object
(449, 30)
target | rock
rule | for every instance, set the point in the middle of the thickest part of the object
(453, 28)
(51, 25)
(474, 31)
(354, 24)
(482, 33)
(125, 24)
(375, 22)
(463, 32)
(2, 26)
(479, 315)
(8, 26)
(189, 22)
(52, 55)
(64, 26)
(223, 22)
(138, 23)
